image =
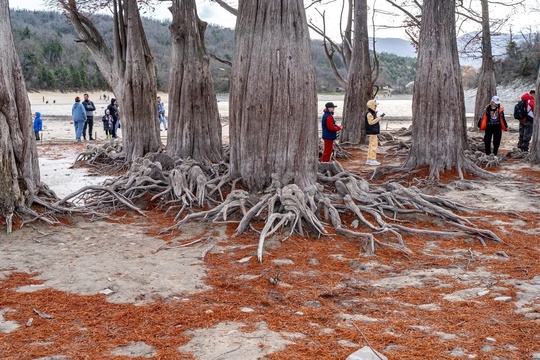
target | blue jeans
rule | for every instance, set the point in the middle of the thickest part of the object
(79, 126)
(116, 126)
(163, 121)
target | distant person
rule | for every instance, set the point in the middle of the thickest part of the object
(113, 109)
(373, 129)
(161, 114)
(329, 131)
(38, 125)
(107, 120)
(493, 123)
(79, 117)
(89, 123)
(526, 125)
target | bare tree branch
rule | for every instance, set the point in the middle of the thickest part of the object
(226, 6)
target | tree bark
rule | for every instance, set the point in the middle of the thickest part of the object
(487, 86)
(273, 99)
(359, 86)
(129, 70)
(535, 141)
(195, 125)
(19, 169)
(438, 124)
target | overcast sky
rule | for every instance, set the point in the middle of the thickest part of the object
(214, 14)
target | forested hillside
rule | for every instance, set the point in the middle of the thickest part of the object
(53, 60)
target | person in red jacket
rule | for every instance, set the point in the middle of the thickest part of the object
(329, 131)
(526, 125)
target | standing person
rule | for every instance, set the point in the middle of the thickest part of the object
(113, 109)
(79, 117)
(161, 114)
(329, 131)
(373, 129)
(107, 120)
(38, 125)
(90, 108)
(494, 123)
(526, 124)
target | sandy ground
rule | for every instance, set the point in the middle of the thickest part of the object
(126, 263)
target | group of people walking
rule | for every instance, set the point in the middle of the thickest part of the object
(83, 118)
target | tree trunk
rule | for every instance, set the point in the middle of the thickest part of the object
(138, 106)
(535, 141)
(19, 169)
(487, 86)
(195, 125)
(129, 70)
(359, 87)
(273, 100)
(439, 123)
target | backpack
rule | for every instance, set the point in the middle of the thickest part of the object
(520, 110)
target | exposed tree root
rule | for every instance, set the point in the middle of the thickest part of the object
(197, 192)
(107, 158)
(44, 197)
(484, 161)
(517, 153)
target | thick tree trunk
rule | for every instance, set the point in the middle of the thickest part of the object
(359, 87)
(487, 86)
(194, 122)
(129, 71)
(140, 131)
(273, 100)
(19, 170)
(438, 124)
(535, 141)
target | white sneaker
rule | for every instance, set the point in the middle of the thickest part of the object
(374, 163)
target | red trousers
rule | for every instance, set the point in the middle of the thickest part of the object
(327, 151)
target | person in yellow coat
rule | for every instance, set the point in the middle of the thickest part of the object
(373, 129)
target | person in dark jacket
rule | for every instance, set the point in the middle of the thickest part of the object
(329, 131)
(373, 129)
(38, 125)
(113, 110)
(89, 124)
(526, 124)
(494, 123)
(107, 124)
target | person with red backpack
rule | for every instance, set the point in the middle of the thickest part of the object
(493, 123)
(526, 123)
